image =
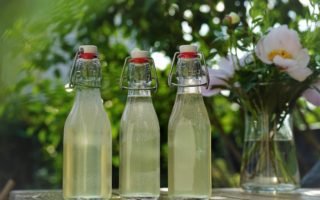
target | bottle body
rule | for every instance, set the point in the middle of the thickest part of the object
(189, 147)
(139, 148)
(87, 153)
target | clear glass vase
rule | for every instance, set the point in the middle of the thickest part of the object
(269, 161)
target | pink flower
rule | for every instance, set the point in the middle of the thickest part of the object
(281, 46)
(226, 69)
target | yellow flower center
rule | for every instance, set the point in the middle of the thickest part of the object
(279, 52)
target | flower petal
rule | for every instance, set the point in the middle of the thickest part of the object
(214, 82)
(312, 96)
(261, 53)
(293, 68)
(284, 63)
(303, 58)
(300, 74)
(209, 92)
(292, 43)
(217, 78)
(276, 38)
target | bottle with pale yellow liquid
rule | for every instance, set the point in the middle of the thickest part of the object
(189, 131)
(139, 130)
(87, 134)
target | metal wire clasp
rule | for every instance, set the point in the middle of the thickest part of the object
(149, 73)
(203, 71)
(72, 70)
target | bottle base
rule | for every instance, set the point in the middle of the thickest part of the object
(188, 197)
(139, 196)
(268, 188)
(86, 198)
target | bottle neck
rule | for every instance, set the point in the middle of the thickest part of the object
(189, 90)
(140, 93)
(88, 95)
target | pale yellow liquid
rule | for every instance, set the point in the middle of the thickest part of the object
(139, 150)
(189, 143)
(87, 150)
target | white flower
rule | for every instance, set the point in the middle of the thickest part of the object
(282, 47)
(313, 94)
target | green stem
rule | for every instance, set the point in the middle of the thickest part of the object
(283, 170)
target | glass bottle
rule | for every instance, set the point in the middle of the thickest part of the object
(87, 133)
(189, 137)
(139, 131)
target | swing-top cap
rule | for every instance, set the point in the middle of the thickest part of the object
(86, 75)
(137, 53)
(89, 49)
(188, 48)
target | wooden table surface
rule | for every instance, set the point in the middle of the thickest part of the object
(217, 194)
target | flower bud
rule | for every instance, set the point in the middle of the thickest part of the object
(231, 19)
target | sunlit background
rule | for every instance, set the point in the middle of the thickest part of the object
(38, 42)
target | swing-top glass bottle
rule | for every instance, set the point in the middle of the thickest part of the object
(139, 130)
(87, 133)
(189, 131)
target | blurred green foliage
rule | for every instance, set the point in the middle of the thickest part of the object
(38, 42)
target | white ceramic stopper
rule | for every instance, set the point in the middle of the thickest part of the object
(187, 48)
(137, 53)
(89, 49)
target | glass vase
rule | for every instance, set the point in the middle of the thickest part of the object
(269, 161)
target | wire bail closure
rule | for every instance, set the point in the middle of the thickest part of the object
(203, 70)
(150, 74)
(72, 71)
